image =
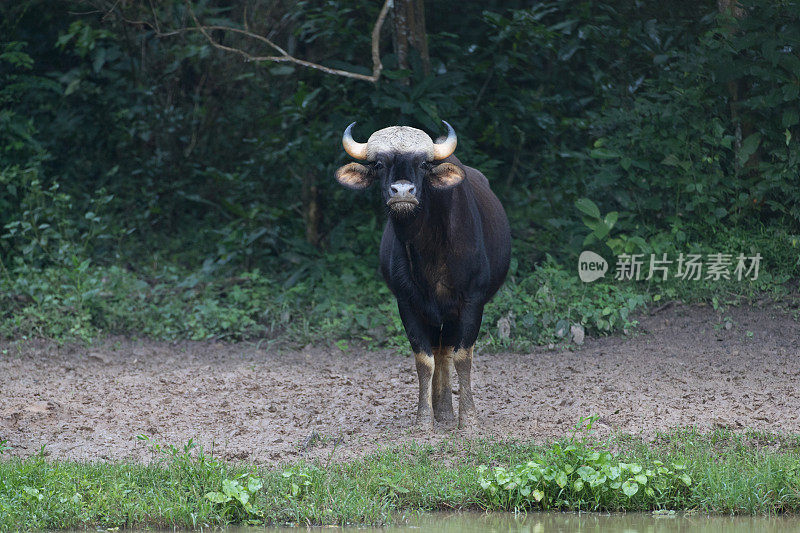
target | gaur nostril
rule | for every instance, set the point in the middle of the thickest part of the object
(403, 188)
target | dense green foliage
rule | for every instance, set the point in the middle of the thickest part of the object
(184, 487)
(579, 475)
(150, 182)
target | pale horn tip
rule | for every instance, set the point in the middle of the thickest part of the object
(445, 148)
(354, 149)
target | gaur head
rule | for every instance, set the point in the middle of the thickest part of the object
(405, 161)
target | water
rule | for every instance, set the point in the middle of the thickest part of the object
(575, 523)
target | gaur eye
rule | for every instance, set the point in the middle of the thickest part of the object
(379, 165)
(425, 165)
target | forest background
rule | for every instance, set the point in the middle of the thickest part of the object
(166, 167)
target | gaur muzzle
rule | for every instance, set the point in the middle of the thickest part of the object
(402, 192)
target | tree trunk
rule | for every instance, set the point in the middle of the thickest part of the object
(730, 6)
(410, 34)
(736, 91)
(312, 211)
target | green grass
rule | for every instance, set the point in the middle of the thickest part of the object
(751, 473)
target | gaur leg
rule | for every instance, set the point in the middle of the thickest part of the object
(419, 338)
(466, 406)
(462, 358)
(442, 390)
(425, 367)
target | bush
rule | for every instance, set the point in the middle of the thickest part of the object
(581, 476)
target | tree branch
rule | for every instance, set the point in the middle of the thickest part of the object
(283, 56)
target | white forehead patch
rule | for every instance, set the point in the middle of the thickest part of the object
(399, 139)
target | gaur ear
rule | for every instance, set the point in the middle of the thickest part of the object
(446, 175)
(354, 176)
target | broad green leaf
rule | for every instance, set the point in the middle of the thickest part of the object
(612, 472)
(72, 86)
(629, 488)
(599, 228)
(243, 497)
(586, 472)
(611, 219)
(99, 59)
(671, 160)
(749, 147)
(588, 207)
(230, 487)
(217, 497)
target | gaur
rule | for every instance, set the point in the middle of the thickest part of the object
(444, 253)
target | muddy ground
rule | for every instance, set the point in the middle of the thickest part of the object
(681, 368)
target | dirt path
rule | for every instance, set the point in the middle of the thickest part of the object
(683, 369)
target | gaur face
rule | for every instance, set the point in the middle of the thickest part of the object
(403, 161)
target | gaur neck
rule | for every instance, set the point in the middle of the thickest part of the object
(433, 219)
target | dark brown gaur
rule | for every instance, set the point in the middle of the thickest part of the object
(445, 252)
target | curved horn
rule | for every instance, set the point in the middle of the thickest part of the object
(446, 147)
(353, 149)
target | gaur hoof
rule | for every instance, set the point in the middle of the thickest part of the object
(467, 420)
(424, 422)
(445, 416)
